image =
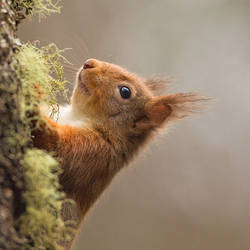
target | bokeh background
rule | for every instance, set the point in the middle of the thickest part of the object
(191, 189)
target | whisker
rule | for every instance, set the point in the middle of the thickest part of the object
(82, 44)
(69, 68)
(80, 51)
(109, 59)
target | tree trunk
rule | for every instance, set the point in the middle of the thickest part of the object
(13, 133)
(15, 223)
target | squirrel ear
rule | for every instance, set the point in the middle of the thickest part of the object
(157, 111)
(170, 107)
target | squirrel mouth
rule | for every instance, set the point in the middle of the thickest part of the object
(82, 85)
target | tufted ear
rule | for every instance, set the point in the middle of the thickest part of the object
(158, 84)
(161, 109)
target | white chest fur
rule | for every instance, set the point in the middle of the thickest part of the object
(68, 117)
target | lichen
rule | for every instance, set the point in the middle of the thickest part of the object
(31, 196)
(41, 75)
(42, 8)
(41, 221)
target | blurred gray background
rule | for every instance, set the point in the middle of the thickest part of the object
(191, 189)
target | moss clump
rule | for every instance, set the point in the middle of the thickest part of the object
(41, 77)
(43, 8)
(41, 74)
(41, 222)
(30, 190)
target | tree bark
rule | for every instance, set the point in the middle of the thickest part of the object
(14, 135)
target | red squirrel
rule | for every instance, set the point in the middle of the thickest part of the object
(113, 113)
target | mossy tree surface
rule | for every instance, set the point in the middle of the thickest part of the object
(11, 147)
(30, 202)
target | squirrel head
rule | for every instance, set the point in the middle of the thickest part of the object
(111, 97)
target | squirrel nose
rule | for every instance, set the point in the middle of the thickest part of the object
(89, 64)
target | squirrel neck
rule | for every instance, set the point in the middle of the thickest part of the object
(104, 152)
(124, 146)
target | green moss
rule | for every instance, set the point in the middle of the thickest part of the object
(37, 81)
(41, 221)
(42, 8)
(41, 76)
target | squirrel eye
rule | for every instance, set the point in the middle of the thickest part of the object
(124, 92)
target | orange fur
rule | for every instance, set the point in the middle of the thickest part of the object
(91, 155)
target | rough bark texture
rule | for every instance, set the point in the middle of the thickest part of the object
(13, 133)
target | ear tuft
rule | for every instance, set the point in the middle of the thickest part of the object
(158, 84)
(162, 109)
(185, 104)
